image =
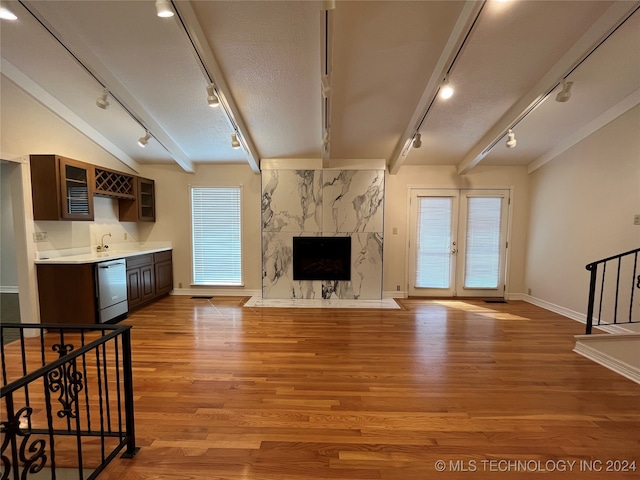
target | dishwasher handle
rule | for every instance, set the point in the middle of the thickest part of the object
(111, 265)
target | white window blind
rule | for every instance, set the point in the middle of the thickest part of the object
(482, 262)
(216, 224)
(433, 269)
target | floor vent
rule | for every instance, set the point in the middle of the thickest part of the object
(495, 301)
(203, 297)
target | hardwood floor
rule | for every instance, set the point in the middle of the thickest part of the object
(226, 392)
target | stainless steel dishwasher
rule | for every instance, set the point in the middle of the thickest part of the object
(112, 290)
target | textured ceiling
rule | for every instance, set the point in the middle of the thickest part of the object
(386, 61)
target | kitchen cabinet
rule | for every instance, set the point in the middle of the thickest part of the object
(67, 294)
(149, 277)
(62, 188)
(143, 207)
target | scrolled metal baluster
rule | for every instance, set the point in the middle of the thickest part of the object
(38, 458)
(62, 348)
(7, 433)
(68, 382)
(637, 284)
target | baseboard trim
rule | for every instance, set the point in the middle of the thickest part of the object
(566, 312)
(394, 294)
(621, 368)
(8, 289)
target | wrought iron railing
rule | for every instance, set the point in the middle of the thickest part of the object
(612, 296)
(67, 400)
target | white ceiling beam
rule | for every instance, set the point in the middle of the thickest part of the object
(188, 20)
(528, 102)
(58, 108)
(456, 38)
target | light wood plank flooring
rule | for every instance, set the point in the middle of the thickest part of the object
(226, 392)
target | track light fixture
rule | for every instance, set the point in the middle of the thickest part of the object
(163, 8)
(235, 144)
(511, 139)
(446, 90)
(7, 14)
(212, 98)
(102, 101)
(142, 141)
(417, 141)
(565, 94)
(328, 4)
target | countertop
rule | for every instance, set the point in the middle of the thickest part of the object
(89, 254)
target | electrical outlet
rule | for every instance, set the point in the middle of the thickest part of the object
(636, 219)
(39, 236)
(397, 288)
(529, 292)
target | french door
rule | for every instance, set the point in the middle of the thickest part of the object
(458, 242)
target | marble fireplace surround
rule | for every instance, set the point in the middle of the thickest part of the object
(322, 202)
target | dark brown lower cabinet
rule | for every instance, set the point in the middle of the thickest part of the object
(149, 276)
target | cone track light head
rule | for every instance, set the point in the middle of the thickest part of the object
(102, 101)
(212, 98)
(417, 141)
(565, 94)
(511, 139)
(163, 8)
(7, 14)
(446, 90)
(235, 143)
(142, 141)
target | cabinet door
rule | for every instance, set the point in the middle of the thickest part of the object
(164, 277)
(146, 200)
(134, 287)
(148, 284)
(76, 191)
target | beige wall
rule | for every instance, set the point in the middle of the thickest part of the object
(396, 205)
(582, 208)
(173, 217)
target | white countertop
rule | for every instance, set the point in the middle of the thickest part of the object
(83, 255)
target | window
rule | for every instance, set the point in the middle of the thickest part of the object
(216, 235)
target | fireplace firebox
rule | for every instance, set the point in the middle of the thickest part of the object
(322, 258)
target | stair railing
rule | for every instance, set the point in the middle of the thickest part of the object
(610, 295)
(67, 400)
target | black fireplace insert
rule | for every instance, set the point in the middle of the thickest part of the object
(322, 258)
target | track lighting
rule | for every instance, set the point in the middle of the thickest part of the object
(326, 87)
(511, 139)
(565, 94)
(212, 98)
(234, 141)
(446, 90)
(417, 141)
(144, 140)
(328, 4)
(163, 7)
(7, 14)
(102, 101)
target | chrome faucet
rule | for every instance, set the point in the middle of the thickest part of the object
(102, 247)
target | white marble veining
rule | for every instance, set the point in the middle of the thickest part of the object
(352, 200)
(292, 201)
(385, 303)
(322, 203)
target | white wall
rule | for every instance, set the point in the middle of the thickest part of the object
(582, 208)
(397, 203)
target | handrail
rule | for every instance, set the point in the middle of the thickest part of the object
(590, 266)
(611, 296)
